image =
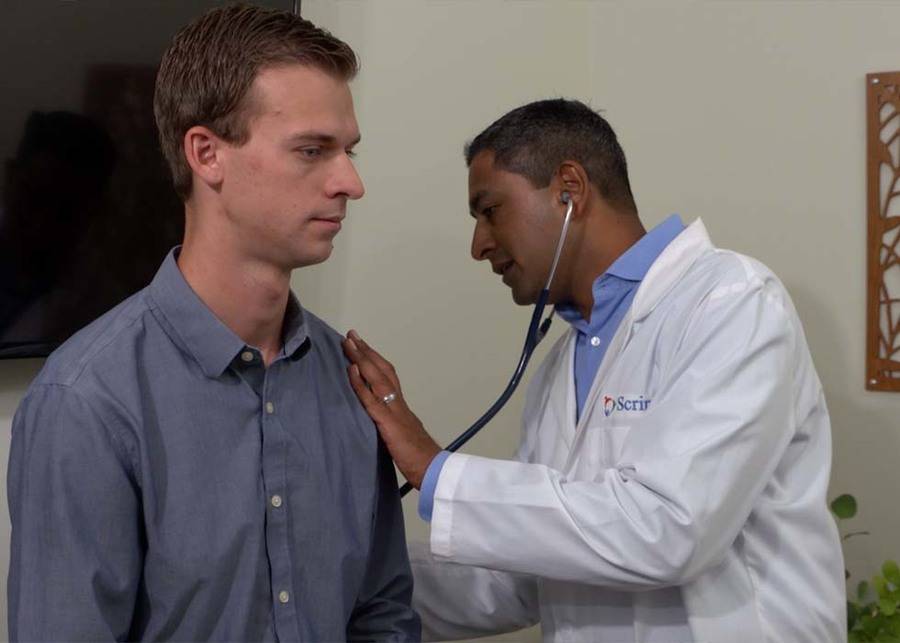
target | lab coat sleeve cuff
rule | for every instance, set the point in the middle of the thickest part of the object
(429, 483)
(442, 513)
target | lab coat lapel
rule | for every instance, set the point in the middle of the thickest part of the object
(563, 383)
(620, 339)
(668, 268)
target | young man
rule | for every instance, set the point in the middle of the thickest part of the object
(671, 480)
(193, 465)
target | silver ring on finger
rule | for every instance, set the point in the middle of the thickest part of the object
(390, 397)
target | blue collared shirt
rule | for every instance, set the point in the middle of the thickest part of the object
(613, 293)
(165, 485)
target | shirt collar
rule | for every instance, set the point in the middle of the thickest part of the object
(636, 261)
(294, 332)
(204, 335)
(632, 265)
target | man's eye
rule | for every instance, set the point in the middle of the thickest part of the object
(311, 152)
(351, 153)
(489, 210)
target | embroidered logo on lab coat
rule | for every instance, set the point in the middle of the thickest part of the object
(624, 404)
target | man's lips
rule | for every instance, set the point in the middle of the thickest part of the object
(502, 268)
(333, 223)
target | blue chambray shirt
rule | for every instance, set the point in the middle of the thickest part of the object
(165, 485)
(613, 292)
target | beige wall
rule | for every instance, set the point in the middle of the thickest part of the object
(749, 114)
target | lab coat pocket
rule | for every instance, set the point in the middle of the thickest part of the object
(602, 448)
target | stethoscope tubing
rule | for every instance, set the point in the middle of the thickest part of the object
(536, 332)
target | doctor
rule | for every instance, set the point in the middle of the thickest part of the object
(671, 480)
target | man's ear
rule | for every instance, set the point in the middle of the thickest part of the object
(203, 151)
(572, 178)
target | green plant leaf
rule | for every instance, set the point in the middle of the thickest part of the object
(844, 506)
(891, 572)
(870, 625)
(862, 590)
(887, 606)
(894, 625)
(880, 586)
(853, 611)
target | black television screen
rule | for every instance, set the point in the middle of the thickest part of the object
(87, 209)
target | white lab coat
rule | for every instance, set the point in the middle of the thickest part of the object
(700, 463)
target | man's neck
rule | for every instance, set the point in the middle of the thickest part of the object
(247, 295)
(606, 239)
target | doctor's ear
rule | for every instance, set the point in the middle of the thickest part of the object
(572, 182)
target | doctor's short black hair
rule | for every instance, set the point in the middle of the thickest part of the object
(534, 139)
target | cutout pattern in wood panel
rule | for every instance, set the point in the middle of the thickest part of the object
(883, 177)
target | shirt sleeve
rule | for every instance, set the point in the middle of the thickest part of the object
(429, 484)
(383, 609)
(465, 601)
(76, 553)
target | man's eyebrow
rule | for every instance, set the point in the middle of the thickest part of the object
(475, 201)
(318, 137)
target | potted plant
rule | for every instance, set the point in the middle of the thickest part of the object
(873, 608)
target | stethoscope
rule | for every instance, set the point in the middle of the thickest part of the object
(536, 332)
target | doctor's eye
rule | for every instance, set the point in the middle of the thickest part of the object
(489, 210)
(351, 153)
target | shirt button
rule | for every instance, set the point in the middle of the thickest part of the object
(247, 356)
(595, 341)
(270, 408)
(276, 501)
(283, 596)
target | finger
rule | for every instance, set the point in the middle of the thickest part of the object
(370, 353)
(351, 350)
(356, 355)
(361, 354)
(372, 404)
(373, 376)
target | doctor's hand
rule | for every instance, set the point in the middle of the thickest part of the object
(376, 385)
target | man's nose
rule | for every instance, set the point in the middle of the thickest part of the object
(346, 181)
(482, 240)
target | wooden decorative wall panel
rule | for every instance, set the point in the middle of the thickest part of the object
(883, 177)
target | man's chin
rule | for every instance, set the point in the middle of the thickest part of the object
(524, 298)
(313, 258)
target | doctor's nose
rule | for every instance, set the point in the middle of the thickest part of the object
(482, 241)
